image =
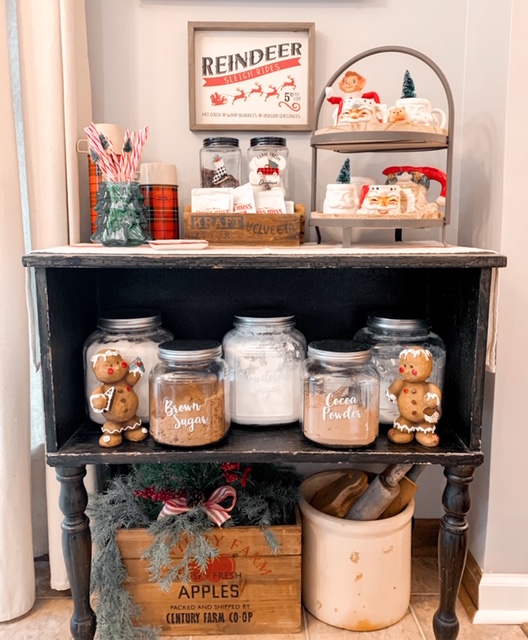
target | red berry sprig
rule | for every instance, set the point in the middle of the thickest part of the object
(156, 495)
(229, 470)
(232, 472)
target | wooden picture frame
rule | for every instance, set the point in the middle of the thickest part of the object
(251, 76)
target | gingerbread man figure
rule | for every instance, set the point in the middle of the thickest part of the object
(116, 399)
(419, 401)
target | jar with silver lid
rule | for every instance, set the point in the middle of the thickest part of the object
(265, 354)
(341, 394)
(135, 334)
(268, 163)
(189, 394)
(220, 163)
(388, 333)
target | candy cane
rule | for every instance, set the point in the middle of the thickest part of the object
(122, 166)
(107, 160)
(125, 156)
(138, 147)
(93, 136)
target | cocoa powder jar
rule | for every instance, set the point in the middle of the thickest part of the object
(341, 394)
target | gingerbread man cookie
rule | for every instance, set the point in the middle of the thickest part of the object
(419, 401)
(116, 399)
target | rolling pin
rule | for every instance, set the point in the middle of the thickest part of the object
(380, 493)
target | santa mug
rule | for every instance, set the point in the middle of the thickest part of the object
(343, 198)
(362, 110)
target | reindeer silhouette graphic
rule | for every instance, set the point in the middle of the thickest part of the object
(257, 90)
(288, 83)
(241, 95)
(270, 94)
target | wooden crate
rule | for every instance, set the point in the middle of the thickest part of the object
(247, 589)
(283, 229)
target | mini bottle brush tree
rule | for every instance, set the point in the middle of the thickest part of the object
(171, 501)
(408, 89)
(344, 173)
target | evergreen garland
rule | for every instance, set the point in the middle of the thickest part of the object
(266, 495)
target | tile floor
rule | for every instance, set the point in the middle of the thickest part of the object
(49, 618)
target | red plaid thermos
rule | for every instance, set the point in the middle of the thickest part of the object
(159, 185)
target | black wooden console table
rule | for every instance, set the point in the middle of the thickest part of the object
(330, 290)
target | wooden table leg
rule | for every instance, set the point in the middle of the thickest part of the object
(77, 549)
(452, 548)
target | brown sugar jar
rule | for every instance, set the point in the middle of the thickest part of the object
(341, 394)
(189, 394)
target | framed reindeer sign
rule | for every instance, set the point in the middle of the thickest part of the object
(251, 76)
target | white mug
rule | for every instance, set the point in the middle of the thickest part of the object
(420, 111)
(343, 198)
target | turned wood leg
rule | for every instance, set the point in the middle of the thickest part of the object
(77, 549)
(452, 548)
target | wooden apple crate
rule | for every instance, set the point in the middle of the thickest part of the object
(247, 589)
(278, 229)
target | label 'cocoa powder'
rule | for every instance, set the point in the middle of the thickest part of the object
(338, 419)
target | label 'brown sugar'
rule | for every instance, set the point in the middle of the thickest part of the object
(188, 413)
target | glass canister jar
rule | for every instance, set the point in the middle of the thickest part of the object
(135, 334)
(265, 354)
(189, 394)
(388, 333)
(268, 163)
(220, 163)
(341, 394)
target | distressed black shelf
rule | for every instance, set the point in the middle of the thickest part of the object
(330, 290)
(261, 445)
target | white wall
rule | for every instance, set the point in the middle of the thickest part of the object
(495, 154)
(138, 59)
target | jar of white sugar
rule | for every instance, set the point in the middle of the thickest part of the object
(265, 355)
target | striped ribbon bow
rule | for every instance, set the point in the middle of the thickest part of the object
(214, 510)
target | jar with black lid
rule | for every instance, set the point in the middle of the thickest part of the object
(220, 163)
(265, 353)
(135, 334)
(341, 394)
(189, 394)
(268, 163)
(388, 333)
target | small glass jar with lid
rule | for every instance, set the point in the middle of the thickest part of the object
(135, 334)
(189, 394)
(268, 163)
(388, 333)
(265, 355)
(220, 163)
(341, 394)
